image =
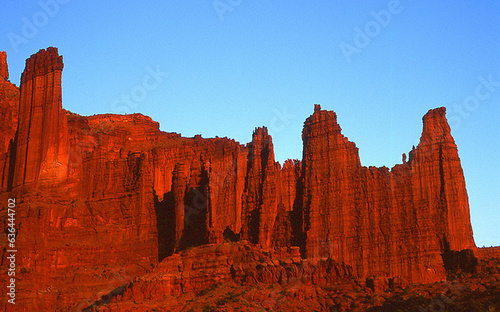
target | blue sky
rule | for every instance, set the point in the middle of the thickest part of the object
(224, 67)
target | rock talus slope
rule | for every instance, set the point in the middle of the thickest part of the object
(109, 195)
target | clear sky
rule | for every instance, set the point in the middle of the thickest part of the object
(224, 67)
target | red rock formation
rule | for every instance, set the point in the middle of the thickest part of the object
(85, 216)
(330, 166)
(226, 180)
(468, 291)
(106, 193)
(4, 68)
(488, 252)
(42, 133)
(287, 224)
(179, 185)
(9, 102)
(261, 192)
(242, 263)
(391, 224)
(214, 175)
(290, 177)
(436, 159)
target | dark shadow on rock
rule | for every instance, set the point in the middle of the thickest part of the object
(254, 226)
(195, 232)
(282, 231)
(165, 225)
(106, 299)
(9, 167)
(463, 260)
(297, 218)
(230, 236)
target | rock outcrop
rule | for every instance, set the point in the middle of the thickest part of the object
(42, 131)
(369, 217)
(4, 68)
(199, 269)
(276, 283)
(9, 102)
(112, 193)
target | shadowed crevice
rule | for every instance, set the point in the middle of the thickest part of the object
(165, 225)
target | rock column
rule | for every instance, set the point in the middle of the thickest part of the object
(42, 133)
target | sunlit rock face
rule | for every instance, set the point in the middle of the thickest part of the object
(9, 103)
(112, 194)
(392, 223)
(42, 132)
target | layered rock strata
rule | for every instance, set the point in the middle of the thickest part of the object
(198, 269)
(112, 193)
(369, 217)
(9, 102)
(4, 68)
(42, 131)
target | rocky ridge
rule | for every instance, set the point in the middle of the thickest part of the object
(112, 193)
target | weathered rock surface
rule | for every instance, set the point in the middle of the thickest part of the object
(200, 268)
(42, 131)
(4, 68)
(103, 199)
(274, 281)
(369, 217)
(487, 252)
(9, 102)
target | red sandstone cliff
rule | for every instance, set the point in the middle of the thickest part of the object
(369, 217)
(109, 193)
(436, 159)
(260, 196)
(42, 134)
(9, 102)
(4, 68)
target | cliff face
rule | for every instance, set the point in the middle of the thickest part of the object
(110, 193)
(9, 95)
(436, 160)
(4, 68)
(330, 167)
(393, 224)
(42, 132)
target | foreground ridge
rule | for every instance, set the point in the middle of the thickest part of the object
(107, 194)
